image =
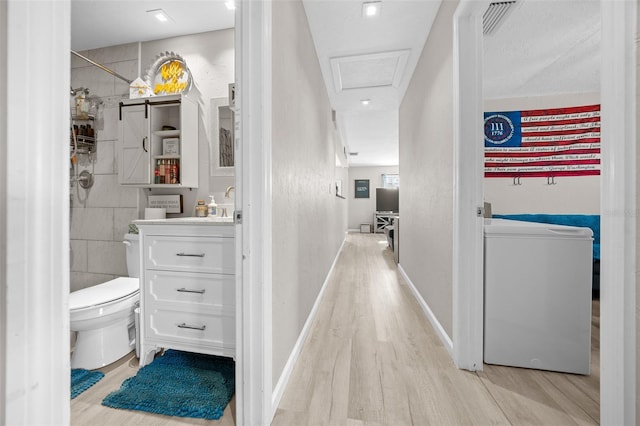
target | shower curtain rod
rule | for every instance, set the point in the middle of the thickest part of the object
(102, 67)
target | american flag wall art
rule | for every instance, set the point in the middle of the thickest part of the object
(542, 142)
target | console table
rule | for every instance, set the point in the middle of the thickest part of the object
(382, 219)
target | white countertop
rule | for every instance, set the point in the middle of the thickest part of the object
(216, 221)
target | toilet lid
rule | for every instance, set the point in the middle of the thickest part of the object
(103, 293)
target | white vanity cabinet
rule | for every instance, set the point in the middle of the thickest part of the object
(159, 139)
(187, 287)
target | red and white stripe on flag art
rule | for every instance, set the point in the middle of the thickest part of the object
(543, 142)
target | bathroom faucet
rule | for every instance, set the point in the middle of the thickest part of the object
(227, 193)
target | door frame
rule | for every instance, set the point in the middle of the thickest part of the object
(35, 48)
(618, 203)
(618, 213)
(468, 242)
(253, 193)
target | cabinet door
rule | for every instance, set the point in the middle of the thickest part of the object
(135, 160)
(189, 142)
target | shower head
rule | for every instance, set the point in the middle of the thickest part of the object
(75, 92)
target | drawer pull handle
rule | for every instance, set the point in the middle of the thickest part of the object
(184, 290)
(190, 254)
(183, 325)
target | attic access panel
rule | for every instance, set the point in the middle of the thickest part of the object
(371, 70)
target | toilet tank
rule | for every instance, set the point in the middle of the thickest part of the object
(132, 243)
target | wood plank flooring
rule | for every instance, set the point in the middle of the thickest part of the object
(372, 358)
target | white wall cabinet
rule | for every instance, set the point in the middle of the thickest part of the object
(187, 286)
(146, 126)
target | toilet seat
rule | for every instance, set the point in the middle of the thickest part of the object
(102, 294)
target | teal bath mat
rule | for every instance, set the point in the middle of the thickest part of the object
(180, 384)
(82, 379)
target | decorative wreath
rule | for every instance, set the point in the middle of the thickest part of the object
(168, 75)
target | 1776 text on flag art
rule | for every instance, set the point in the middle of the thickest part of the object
(543, 142)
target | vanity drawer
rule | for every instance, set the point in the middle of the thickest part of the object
(192, 328)
(190, 254)
(184, 288)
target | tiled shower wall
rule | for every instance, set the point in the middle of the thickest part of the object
(100, 216)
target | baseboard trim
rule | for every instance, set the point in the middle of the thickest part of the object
(278, 390)
(444, 337)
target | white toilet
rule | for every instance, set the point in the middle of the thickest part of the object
(103, 315)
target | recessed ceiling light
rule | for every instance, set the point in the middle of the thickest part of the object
(371, 8)
(231, 5)
(159, 14)
(365, 101)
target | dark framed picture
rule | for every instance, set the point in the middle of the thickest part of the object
(361, 188)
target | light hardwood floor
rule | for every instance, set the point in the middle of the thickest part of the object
(372, 358)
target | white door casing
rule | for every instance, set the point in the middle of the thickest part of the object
(253, 183)
(468, 287)
(618, 213)
(36, 367)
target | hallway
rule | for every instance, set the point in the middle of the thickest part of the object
(372, 358)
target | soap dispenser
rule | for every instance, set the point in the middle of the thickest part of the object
(213, 207)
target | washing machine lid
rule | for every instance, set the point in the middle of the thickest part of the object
(103, 293)
(517, 228)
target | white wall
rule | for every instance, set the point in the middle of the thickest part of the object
(100, 216)
(578, 195)
(426, 161)
(309, 221)
(361, 210)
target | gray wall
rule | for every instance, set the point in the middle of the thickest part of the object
(426, 161)
(3, 195)
(637, 227)
(309, 221)
(361, 210)
(100, 215)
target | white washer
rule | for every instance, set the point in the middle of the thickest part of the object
(537, 295)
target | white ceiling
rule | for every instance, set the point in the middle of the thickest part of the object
(101, 23)
(542, 47)
(376, 57)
